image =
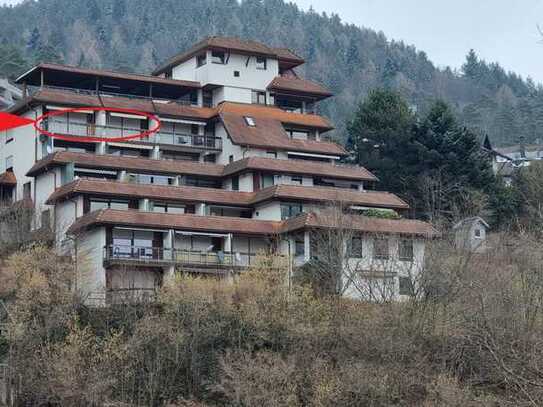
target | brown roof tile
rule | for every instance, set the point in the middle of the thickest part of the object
(223, 197)
(110, 162)
(362, 224)
(269, 131)
(298, 85)
(160, 192)
(331, 195)
(350, 172)
(8, 178)
(234, 44)
(217, 224)
(84, 99)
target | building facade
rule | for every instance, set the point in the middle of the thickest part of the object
(240, 167)
(9, 94)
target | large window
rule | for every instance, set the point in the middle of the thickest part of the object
(258, 97)
(163, 207)
(289, 210)
(356, 250)
(406, 286)
(261, 63)
(218, 57)
(96, 204)
(381, 249)
(235, 183)
(299, 247)
(405, 249)
(201, 60)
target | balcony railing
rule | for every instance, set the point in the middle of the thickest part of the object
(170, 138)
(159, 255)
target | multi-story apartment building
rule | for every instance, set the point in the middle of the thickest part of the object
(240, 166)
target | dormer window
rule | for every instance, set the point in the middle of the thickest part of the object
(218, 57)
(201, 60)
(261, 63)
(249, 121)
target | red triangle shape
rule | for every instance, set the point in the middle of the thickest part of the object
(11, 121)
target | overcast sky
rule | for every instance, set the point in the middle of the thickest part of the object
(499, 30)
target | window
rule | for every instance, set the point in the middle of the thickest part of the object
(230, 158)
(210, 158)
(271, 154)
(236, 74)
(261, 63)
(405, 249)
(268, 180)
(298, 134)
(356, 247)
(250, 121)
(218, 57)
(97, 204)
(9, 163)
(406, 286)
(9, 139)
(477, 233)
(235, 183)
(46, 219)
(201, 60)
(354, 186)
(258, 97)
(207, 98)
(290, 210)
(299, 247)
(296, 180)
(380, 249)
(27, 190)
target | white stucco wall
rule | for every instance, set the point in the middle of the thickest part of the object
(91, 272)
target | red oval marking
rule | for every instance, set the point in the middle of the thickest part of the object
(69, 137)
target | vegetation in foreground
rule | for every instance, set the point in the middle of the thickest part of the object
(474, 341)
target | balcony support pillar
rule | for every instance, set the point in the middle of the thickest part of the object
(169, 245)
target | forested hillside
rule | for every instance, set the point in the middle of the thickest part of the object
(136, 35)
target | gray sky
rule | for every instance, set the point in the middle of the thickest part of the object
(504, 31)
(499, 30)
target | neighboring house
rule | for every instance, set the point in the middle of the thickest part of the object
(240, 167)
(9, 94)
(506, 160)
(470, 234)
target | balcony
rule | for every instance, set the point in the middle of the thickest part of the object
(191, 259)
(193, 141)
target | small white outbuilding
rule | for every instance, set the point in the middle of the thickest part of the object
(470, 234)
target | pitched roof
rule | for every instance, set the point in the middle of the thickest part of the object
(224, 224)
(110, 162)
(233, 44)
(8, 178)
(298, 85)
(86, 99)
(350, 172)
(106, 73)
(186, 222)
(470, 221)
(362, 224)
(331, 195)
(269, 132)
(97, 187)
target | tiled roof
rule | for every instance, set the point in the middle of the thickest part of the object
(223, 224)
(83, 99)
(109, 74)
(331, 195)
(8, 178)
(110, 162)
(305, 167)
(216, 224)
(297, 85)
(230, 43)
(362, 224)
(160, 192)
(269, 132)
(223, 197)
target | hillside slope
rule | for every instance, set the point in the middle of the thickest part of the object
(136, 35)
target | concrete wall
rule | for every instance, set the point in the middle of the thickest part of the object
(91, 272)
(268, 211)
